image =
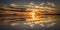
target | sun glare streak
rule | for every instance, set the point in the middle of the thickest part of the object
(33, 15)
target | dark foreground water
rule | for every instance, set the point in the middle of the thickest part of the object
(18, 25)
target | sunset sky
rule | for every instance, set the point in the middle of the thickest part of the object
(22, 3)
(25, 2)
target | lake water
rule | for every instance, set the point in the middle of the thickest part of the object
(31, 25)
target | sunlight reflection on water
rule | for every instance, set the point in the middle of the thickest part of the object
(43, 21)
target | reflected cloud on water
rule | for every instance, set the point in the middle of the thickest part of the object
(43, 21)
